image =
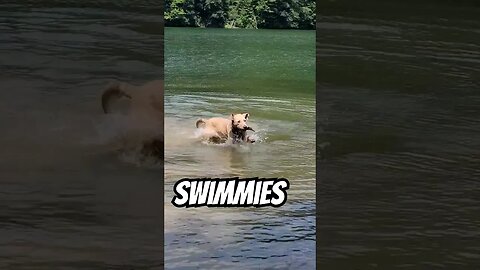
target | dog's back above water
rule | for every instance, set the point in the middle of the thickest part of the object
(220, 130)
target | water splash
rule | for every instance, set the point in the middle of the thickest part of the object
(127, 135)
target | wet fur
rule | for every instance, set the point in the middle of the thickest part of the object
(219, 130)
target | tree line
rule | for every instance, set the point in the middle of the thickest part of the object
(283, 14)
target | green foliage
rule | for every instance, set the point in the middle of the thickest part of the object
(299, 14)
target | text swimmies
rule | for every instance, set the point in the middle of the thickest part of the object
(230, 192)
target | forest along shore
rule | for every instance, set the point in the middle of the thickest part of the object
(279, 14)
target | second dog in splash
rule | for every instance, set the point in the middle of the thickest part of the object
(219, 130)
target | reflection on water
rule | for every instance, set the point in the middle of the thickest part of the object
(398, 138)
(67, 198)
(224, 78)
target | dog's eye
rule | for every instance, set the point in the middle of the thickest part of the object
(238, 121)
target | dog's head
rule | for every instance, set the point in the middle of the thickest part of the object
(239, 121)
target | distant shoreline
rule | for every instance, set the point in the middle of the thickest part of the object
(238, 28)
(249, 14)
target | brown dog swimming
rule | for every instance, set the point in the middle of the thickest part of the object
(145, 111)
(219, 130)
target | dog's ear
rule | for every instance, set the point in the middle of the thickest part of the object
(232, 116)
(246, 115)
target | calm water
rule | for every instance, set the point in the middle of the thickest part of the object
(271, 75)
(399, 107)
(69, 197)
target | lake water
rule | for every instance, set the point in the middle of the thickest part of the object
(271, 75)
(398, 111)
(70, 197)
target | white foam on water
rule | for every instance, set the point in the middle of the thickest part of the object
(203, 136)
(126, 134)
